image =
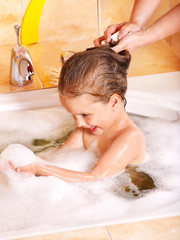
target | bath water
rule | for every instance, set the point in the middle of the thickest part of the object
(28, 202)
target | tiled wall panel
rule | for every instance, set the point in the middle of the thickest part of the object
(60, 20)
(10, 14)
(68, 20)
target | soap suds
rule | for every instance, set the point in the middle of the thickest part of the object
(28, 202)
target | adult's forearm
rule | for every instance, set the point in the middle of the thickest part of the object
(165, 26)
(143, 11)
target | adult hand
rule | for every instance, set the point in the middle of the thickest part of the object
(123, 28)
(131, 42)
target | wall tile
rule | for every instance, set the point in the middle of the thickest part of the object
(68, 20)
(10, 14)
(60, 20)
(114, 11)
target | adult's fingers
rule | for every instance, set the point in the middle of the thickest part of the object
(130, 42)
(97, 41)
(128, 28)
(118, 48)
(110, 30)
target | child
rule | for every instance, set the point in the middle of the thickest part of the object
(92, 88)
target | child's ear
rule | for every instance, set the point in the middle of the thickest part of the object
(114, 101)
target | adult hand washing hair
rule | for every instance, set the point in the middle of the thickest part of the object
(134, 34)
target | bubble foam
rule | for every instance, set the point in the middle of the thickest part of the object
(29, 201)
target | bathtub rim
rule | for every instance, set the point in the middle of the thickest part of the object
(144, 96)
(164, 212)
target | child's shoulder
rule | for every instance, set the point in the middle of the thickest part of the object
(131, 134)
(132, 140)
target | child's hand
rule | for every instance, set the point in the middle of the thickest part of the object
(33, 168)
(2, 168)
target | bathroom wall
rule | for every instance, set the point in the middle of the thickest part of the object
(70, 19)
(10, 14)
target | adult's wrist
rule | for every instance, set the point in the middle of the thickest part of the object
(138, 21)
(147, 37)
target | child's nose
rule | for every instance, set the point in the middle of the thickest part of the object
(80, 122)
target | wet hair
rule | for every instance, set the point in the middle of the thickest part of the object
(97, 71)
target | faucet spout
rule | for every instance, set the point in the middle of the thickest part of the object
(21, 70)
(17, 29)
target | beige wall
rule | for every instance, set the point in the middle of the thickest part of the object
(10, 14)
(114, 11)
(70, 19)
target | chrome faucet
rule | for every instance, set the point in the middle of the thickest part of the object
(22, 70)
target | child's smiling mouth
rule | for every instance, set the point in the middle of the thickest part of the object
(93, 128)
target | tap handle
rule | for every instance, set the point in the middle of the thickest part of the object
(17, 29)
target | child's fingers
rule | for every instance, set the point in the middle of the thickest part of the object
(17, 169)
(12, 165)
(2, 168)
(28, 168)
(31, 168)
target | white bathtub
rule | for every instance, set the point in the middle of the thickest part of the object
(151, 96)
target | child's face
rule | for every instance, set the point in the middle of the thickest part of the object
(95, 116)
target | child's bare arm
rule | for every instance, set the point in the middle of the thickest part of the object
(74, 140)
(129, 148)
(123, 150)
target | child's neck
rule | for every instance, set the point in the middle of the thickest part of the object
(121, 121)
